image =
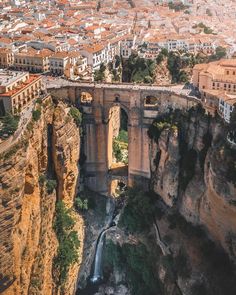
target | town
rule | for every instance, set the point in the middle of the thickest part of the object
(118, 147)
(50, 42)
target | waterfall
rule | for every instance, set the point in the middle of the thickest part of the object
(97, 270)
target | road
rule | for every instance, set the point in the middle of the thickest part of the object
(51, 82)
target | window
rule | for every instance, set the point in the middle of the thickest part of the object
(227, 72)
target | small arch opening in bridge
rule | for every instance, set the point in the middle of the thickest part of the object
(86, 98)
(150, 100)
(118, 140)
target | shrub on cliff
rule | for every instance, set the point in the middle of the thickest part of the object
(138, 212)
(67, 253)
(76, 115)
(36, 114)
(81, 204)
(51, 185)
(162, 122)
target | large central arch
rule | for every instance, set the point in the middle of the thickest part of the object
(100, 132)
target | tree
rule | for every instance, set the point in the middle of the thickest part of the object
(9, 124)
(117, 61)
(220, 52)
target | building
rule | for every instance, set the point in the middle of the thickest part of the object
(96, 55)
(34, 61)
(219, 75)
(127, 46)
(17, 89)
(6, 58)
(216, 82)
(69, 64)
(226, 106)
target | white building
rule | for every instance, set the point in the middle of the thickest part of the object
(127, 46)
(226, 106)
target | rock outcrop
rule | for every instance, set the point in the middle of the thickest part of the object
(28, 243)
(189, 170)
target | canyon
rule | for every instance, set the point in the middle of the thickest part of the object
(178, 159)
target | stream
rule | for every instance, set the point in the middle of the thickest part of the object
(96, 277)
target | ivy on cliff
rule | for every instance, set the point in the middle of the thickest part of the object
(69, 243)
(138, 263)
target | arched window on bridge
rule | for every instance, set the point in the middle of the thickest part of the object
(86, 98)
(150, 100)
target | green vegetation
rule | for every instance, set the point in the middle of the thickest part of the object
(138, 212)
(138, 263)
(81, 204)
(177, 6)
(99, 75)
(8, 125)
(76, 115)
(161, 56)
(51, 184)
(123, 136)
(205, 29)
(220, 53)
(117, 151)
(175, 64)
(117, 61)
(137, 69)
(120, 147)
(36, 114)
(165, 121)
(67, 253)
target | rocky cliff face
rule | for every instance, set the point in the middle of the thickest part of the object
(28, 242)
(189, 163)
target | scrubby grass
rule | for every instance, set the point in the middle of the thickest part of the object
(67, 253)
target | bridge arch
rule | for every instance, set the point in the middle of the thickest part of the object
(117, 135)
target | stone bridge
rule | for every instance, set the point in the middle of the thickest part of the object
(141, 104)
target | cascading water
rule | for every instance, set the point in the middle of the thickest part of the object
(97, 272)
(97, 275)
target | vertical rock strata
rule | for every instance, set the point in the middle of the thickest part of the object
(28, 242)
(189, 170)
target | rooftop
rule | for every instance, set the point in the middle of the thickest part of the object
(8, 77)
